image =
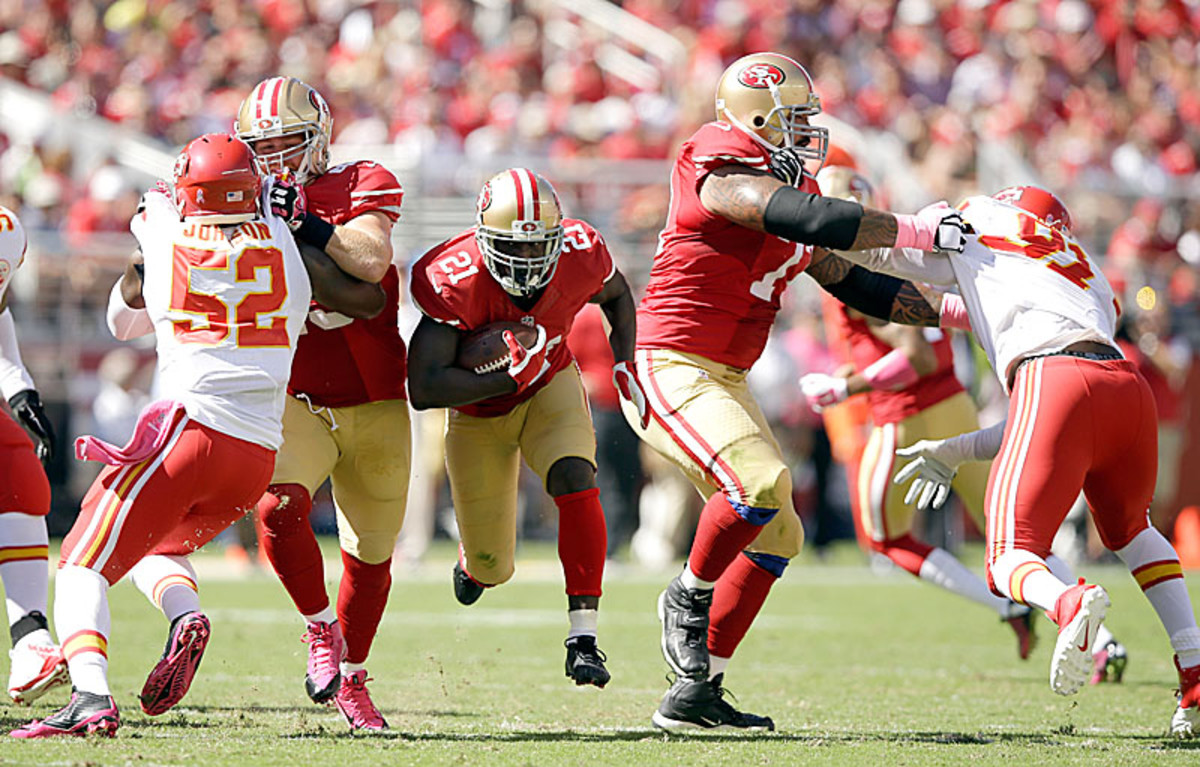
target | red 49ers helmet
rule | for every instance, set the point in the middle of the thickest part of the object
(216, 181)
(1044, 205)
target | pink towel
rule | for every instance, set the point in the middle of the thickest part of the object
(153, 426)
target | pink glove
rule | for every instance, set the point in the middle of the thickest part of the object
(823, 390)
(936, 227)
(630, 388)
(526, 365)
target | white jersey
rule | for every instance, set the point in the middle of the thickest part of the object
(12, 248)
(228, 304)
(1028, 289)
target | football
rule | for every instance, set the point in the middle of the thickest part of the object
(483, 349)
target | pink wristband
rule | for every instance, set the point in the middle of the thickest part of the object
(913, 232)
(954, 312)
(891, 371)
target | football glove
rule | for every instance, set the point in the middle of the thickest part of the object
(526, 365)
(823, 390)
(27, 407)
(949, 230)
(630, 388)
(288, 201)
(786, 166)
(931, 471)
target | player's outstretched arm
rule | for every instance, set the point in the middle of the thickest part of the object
(876, 295)
(334, 288)
(616, 301)
(757, 200)
(363, 246)
(433, 378)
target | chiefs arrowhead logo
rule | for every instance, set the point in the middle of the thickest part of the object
(761, 75)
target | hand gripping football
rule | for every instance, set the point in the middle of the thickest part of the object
(483, 349)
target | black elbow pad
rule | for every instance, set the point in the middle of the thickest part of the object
(869, 292)
(811, 219)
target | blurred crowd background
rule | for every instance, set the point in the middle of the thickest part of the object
(1099, 101)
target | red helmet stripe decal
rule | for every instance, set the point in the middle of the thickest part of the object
(519, 187)
(275, 97)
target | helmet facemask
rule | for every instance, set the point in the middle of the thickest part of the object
(313, 151)
(524, 260)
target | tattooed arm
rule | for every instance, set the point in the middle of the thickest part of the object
(743, 194)
(877, 295)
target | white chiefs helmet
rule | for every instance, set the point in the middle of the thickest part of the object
(518, 226)
(283, 106)
(770, 97)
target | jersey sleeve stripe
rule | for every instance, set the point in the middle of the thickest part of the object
(377, 192)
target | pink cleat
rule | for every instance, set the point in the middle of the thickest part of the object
(326, 648)
(36, 667)
(87, 713)
(355, 703)
(1023, 626)
(169, 681)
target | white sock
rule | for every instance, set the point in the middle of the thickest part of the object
(24, 563)
(942, 569)
(692, 581)
(169, 582)
(1037, 585)
(1154, 564)
(82, 618)
(1103, 637)
(1061, 569)
(1186, 645)
(583, 622)
(325, 616)
(717, 665)
(347, 668)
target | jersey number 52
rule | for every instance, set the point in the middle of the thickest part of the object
(217, 314)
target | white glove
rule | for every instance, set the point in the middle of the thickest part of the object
(934, 468)
(823, 390)
(950, 235)
(629, 387)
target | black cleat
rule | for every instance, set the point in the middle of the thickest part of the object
(698, 704)
(684, 616)
(87, 713)
(466, 589)
(585, 661)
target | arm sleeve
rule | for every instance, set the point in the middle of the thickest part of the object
(980, 445)
(905, 263)
(13, 375)
(125, 322)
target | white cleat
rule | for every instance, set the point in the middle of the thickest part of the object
(36, 667)
(1079, 613)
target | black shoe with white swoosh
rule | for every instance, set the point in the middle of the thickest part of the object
(699, 704)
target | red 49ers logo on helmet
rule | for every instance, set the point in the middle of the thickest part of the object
(761, 75)
(485, 197)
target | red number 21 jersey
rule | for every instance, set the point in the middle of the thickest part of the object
(715, 286)
(451, 284)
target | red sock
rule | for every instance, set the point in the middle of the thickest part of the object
(905, 551)
(737, 599)
(291, 546)
(361, 599)
(720, 537)
(582, 541)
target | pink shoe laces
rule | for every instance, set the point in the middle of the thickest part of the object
(325, 651)
(355, 702)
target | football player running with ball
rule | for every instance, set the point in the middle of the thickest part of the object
(37, 663)
(1080, 417)
(225, 291)
(741, 201)
(346, 417)
(522, 262)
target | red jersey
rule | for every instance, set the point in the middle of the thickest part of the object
(894, 406)
(342, 361)
(451, 284)
(715, 286)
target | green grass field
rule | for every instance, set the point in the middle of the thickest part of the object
(854, 668)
